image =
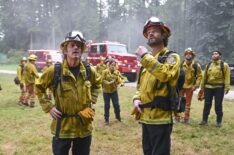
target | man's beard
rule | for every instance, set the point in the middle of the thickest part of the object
(155, 42)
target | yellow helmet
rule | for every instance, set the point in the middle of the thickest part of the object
(32, 57)
(189, 50)
(88, 58)
(74, 36)
(102, 58)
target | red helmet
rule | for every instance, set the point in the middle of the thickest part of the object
(155, 21)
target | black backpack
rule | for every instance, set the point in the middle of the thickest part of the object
(176, 102)
(16, 79)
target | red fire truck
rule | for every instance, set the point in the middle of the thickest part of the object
(127, 62)
(44, 55)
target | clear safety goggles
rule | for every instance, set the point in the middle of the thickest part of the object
(154, 20)
(75, 35)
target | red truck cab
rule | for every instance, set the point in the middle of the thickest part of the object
(127, 62)
(44, 55)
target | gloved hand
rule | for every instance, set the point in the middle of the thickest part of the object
(200, 95)
(137, 110)
(87, 115)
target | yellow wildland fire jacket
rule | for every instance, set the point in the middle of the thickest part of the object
(30, 73)
(100, 68)
(216, 77)
(153, 83)
(20, 74)
(190, 78)
(110, 81)
(72, 96)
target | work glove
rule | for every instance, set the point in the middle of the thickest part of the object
(200, 95)
(137, 110)
(87, 115)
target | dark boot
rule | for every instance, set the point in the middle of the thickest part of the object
(118, 117)
(203, 123)
(106, 121)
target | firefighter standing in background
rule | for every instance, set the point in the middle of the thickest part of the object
(49, 90)
(110, 82)
(74, 95)
(215, 83)
(88, 60)
(20, 70)
(48, 64)
(193, 76)
(101, 66)
(30, 75)
(152, 100)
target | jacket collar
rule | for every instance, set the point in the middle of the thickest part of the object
(66, 71)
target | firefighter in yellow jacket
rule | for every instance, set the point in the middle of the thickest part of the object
(49, 90)
(193, 76)
(215, 83)
(30, 74)
(75, 90)
(110, 82)
(151, 101)
(48, 64)
(101, 66)
(20, 70)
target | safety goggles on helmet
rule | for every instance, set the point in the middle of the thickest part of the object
(154, 20)
(75, 35)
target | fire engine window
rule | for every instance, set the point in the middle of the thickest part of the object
(49, 57)
(102, 48)
(117, 49)
(94, 49)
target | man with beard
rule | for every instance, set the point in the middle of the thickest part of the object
(76, 90)
(152, 101)
(193, 76)
(215, 83)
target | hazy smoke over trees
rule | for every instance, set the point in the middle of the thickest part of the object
(204, 25)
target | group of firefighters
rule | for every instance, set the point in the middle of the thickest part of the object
(107, 69)
(77, 86)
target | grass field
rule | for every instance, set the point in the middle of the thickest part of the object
(26, 131)
(12, 67)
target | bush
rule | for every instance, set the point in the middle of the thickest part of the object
(14, 56)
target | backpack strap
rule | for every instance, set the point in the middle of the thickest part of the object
(139, 75)
(207, 67)
(222, 67)
(57, 77)
(195, 66)
(88, 71)
(163, 58)
(181, 64)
